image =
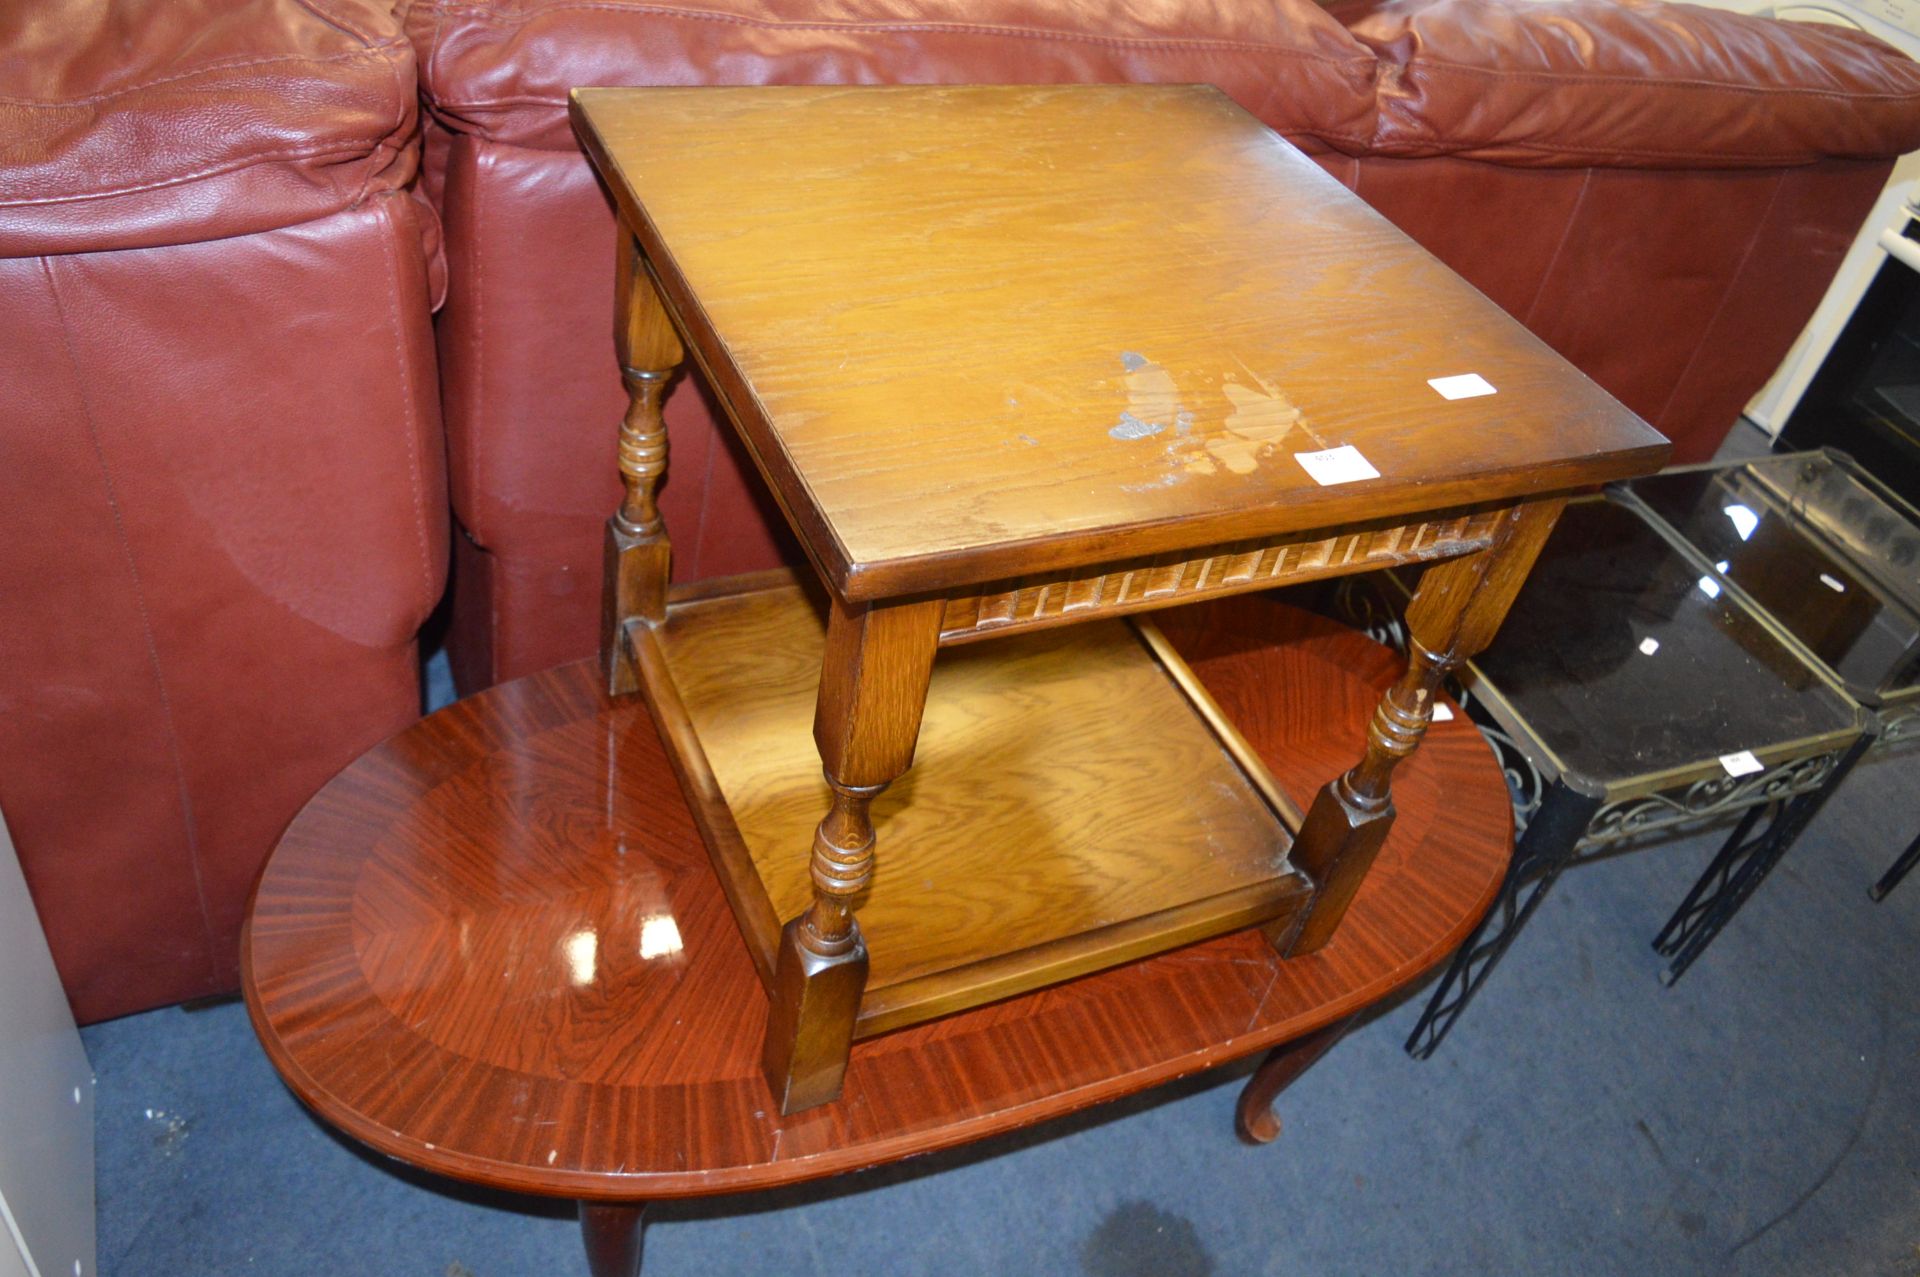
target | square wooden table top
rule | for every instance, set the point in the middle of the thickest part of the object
(971, 333)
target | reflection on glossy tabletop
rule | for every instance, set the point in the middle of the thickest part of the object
(494, 947)
(1832, 560)
(1613, 620)
(1869, 522)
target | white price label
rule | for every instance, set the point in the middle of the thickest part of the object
(1468, 385)
(1742, 763)
(1442, 714)
(1336, 465)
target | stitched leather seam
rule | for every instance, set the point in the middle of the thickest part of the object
(384, 49)
(1412, 69)
(1566, 233)
(187, 825)
(1746, 255)
(443, 109)
(379, 160)
(476, 459)
(231, 166)
(336, 22)
(436, 49)
(386, 149)
(1417, 148)
(1359, 56)
(412, 443)
(476, 466)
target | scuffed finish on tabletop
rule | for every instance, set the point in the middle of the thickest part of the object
(1019, 329)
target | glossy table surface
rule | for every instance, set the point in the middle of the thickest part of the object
(494, 948)
(1829, 554)
(970, 332)
(1624, 657)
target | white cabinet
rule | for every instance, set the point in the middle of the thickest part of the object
(46, 1101)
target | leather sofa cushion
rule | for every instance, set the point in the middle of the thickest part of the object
(228, 523)
(149, 122)
(503, 73)
(1630, 83)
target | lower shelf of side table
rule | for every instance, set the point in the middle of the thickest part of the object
(1070, 807)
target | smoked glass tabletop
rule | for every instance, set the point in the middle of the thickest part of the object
(1829, 554)
(1624, 658)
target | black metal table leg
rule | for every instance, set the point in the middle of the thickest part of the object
(1896, 871)
(1739, 868)
(1545, 849)
(1714, 883)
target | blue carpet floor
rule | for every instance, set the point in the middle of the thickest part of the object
(1761, 1117)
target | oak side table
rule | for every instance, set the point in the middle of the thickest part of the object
(1016, 363)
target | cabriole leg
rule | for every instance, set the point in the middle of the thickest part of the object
(1254, 1116)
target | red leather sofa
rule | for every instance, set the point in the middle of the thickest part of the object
(220, 244)
(1659, 191)
(225, 513)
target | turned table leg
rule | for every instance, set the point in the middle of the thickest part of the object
(1453, 615)
(873, 687)
(612, 1232)
(637, 554)
(1254, 1116)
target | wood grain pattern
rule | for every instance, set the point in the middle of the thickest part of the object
(1069, 808)
(636, 552)
(975, 333)
(1244, 755)
(1458, 606)
(1172, 580)
(866, 723)
(1453, 615)
(493, 946)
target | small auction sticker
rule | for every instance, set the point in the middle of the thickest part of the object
(1468, 385)
(1337, 465)
(1742, 763)
(1441, 714)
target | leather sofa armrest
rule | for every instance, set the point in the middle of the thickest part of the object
(1630, 84)
(502, 73)
(143, 123)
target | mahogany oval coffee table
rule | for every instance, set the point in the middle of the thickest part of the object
(494, 948)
